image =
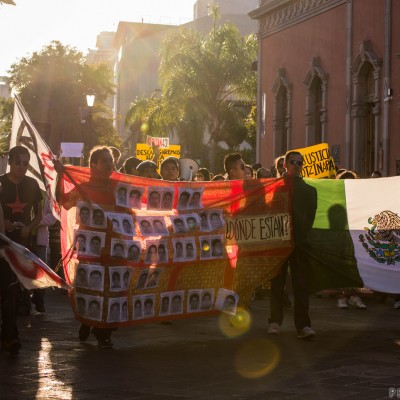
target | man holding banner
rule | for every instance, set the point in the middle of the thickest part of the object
(304, 205)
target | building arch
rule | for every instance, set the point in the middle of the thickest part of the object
(282, 119)
(316, 84)
(366, 111)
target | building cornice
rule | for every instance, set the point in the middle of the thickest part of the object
(276, 15)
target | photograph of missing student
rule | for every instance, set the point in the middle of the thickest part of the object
(96, 277)
(94, 307)
(135, 198)
(134, 251)
(146, 229)
(204, 224)
(151, 253)
(183, 198)
(178, 250)
(118, 248)
(80, 303)
(164, 301)
(96, 243)
(83, 213)
(142, 279)
(153, 277)
(81, 276)
(81, 241)
(178, 224)
(154, 198)
(216, 220)
(99, 219)
(137, 307)
(190, 249)
(114, 310)
(126, 274)
(162, 252)
(192, 222)
(196, 199)
(207, 299)
(159, 226)
(205, 250)
(167, 200)
(226, 301)
(116, 222)
(124, 309)
(217, 246)
(121, 194)
(127, 225)
(176, 302)
(193, 301)
(148, 306)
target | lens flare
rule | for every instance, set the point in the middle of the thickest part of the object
(256, 358)
(235, 325)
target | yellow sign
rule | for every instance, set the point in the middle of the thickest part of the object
(318, 162)
(145, 152)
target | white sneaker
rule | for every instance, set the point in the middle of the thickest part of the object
(396, 305)
(341, 303)
(273, 328)
(306, 333)
(356, 301)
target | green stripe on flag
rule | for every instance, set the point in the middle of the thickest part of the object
(329, 244)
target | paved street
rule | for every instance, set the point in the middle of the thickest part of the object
(356, 355)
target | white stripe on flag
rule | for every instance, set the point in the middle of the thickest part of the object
(375, 248)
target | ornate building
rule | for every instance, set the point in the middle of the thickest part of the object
(329, 71)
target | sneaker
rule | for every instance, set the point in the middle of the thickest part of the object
(341, 303)
(84, 332)
(396, 305)
(357, 302)
(273, 328)
(306, 333)
(105, 343)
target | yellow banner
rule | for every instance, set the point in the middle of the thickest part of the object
(318, 162)
(145, 152)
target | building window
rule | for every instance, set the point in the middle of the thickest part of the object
(365, 113)
(316, 83)
(282, 114)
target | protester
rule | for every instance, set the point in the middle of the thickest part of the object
(21, 201)
(202, 175)
(234, 166)
(148, 169)
(40, 242)
(304, 205)
(130, 166)
(263, 173)
(169, 169)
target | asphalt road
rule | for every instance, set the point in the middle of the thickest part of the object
(355, 355)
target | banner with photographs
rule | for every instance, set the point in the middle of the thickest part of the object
(140, 250)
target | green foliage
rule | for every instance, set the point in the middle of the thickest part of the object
(6, 114)
(52, 85)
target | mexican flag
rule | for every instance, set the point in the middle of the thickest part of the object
(355, 238)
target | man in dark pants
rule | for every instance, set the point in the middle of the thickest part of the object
(20, 199)
(304, 205)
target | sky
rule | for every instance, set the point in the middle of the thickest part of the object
(33, 24)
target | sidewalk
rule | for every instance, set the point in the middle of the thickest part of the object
(356, 355)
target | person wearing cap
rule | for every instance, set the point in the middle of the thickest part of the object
(148, 169)
(170, 169)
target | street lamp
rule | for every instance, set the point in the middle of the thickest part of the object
(90, 97)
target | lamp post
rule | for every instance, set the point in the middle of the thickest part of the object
(90, 97)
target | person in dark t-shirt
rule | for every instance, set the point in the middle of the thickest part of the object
(21, 200)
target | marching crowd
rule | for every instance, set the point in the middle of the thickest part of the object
(25, 220)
